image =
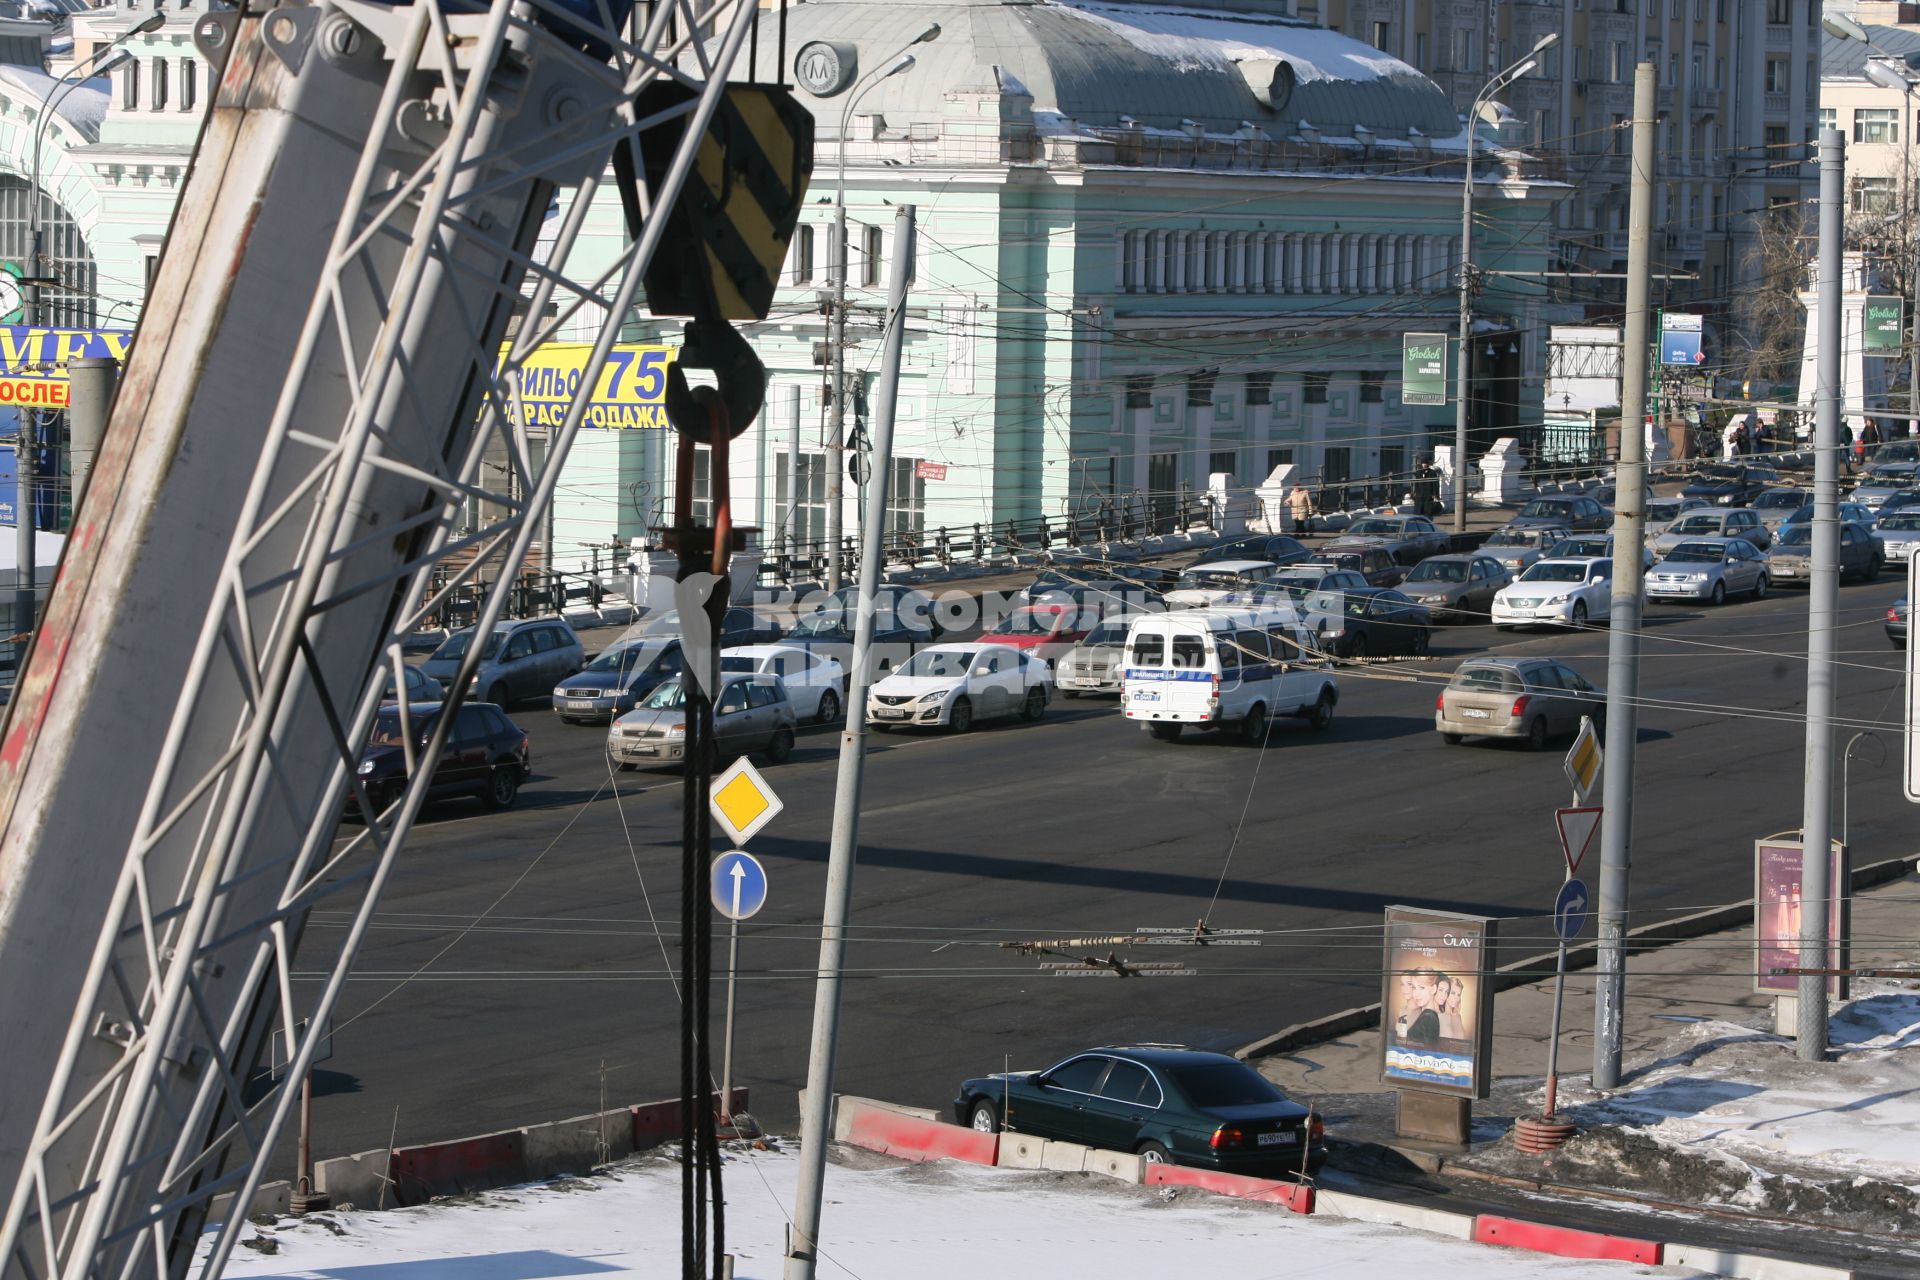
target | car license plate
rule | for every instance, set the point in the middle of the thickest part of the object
(637, 749)
(890, 713)
(1473, 713)
(1786, 571)
(580, 704)
(1145, 695)
(1276, 1139)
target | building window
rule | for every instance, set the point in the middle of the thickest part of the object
(1617, 62)
(1873, 195)
(1777, 77)
(803, 253)
(1393, 463)
(1620, 137)
(1370, 387)
(1463, 49)
(1779, 12)
(1278, 458)
(130, 87)
(1313, 389)
(1259, 388)
(1830, 119)
(1542, 127)
(906, 498)
(1200, 388)
(1338, 466)
(1223, 461)
(1380, 35)
(1420, 49)
(189, 83)
(870, 255)
(808, 524)
(1877, 124)
(1139, 393)
(159, 84)
(69, 304)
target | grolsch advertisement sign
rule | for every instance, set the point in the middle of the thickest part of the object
(1883, 325)
(1423, 368)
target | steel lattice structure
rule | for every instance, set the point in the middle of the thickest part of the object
(449, 131)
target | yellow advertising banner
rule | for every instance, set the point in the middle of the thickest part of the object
(33, 361)
(629, 390)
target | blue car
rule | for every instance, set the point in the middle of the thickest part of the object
(1168, 1105)
(616, 680)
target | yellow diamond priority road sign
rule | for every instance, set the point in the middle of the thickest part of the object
(1583, 761)
(742, 802)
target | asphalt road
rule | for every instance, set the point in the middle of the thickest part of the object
(519, 971)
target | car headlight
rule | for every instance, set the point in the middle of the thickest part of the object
(935, 696)
(366, 767)
(677, 731)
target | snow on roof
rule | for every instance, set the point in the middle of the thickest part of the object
(1200, 40)
(84, 107)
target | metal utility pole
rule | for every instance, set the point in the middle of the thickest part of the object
(90, 384)
(1623, 630)
(1823, 601)
(817, 1115)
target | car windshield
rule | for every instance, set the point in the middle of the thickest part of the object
(1544, 509)
(455, 646)
(938, 664)
(1801, 535)
(1580, 547)
(1030, 622)
(1698, 524)
(1375, 528)
(735, 662)
(621, 658)
(386, 727)
(822, 624)
(1108, 635)
(1801, 516)
(667, 697)
(1698, 553)
(1901, 520)
(1780, 500)
(1496, 678)
(1716, 475)
(1664, 509)
(1898, 473)
(1209, 578)
(1439, 571)
(1513, 538)
(1226, 1084)
(1549, 571)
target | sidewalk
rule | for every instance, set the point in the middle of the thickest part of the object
(1713, 1108)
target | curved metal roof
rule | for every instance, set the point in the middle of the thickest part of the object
(1103, 62)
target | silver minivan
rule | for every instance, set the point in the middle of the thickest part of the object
(518, 659)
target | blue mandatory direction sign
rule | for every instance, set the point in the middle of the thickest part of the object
(1570, 910)
(738, 884)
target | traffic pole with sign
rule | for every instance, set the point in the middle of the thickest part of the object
(1569, 917)
(737, 886)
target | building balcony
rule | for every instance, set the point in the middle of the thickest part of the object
(1778, 104)
(1779, 37)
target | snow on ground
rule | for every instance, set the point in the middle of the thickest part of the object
(931, 1222)
(1723, 1089)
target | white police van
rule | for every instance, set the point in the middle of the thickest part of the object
(1224, 666)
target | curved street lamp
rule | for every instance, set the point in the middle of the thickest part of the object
(1493, 86)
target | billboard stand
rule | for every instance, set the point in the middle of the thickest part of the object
(1776, 923)
(1436, 1022)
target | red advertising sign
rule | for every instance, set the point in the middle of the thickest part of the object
(1776, 914)
(930, 471)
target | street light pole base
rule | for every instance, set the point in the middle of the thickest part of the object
(1537, 1135)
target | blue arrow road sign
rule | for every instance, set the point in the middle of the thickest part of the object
(1570, 910)
(738, 884)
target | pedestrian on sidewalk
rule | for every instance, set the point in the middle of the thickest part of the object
(1299, 508)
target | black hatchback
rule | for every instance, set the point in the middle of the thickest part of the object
(487, 755)
(1166, 1104)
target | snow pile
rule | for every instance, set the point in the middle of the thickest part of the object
(1208, 39)
(929, 1222)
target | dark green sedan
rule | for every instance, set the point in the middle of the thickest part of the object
(1167, 1104)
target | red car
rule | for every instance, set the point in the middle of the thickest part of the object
(1044, 630)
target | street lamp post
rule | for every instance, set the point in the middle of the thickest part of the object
(901, 60)
(26, 441)
(1465, 355)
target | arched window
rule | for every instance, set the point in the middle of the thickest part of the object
(64, 255)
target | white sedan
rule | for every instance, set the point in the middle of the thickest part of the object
(815, 680)
(954, 685)
(1556, 593)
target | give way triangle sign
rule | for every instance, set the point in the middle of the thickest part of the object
(1577, 827)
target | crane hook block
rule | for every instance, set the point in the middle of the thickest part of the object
(727, 235)
(740, 381)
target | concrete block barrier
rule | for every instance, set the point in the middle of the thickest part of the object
(577, 1144)
(1746, 1266)
(1297, 1196)
(907, 1137)
(1065, 1157)
(1441, 1222)
(450, 1168)
(1123, 1165)
(270, 1199)
(657, 1122)
(359, 1180)
(1018, 1151)
(1564, 1242)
